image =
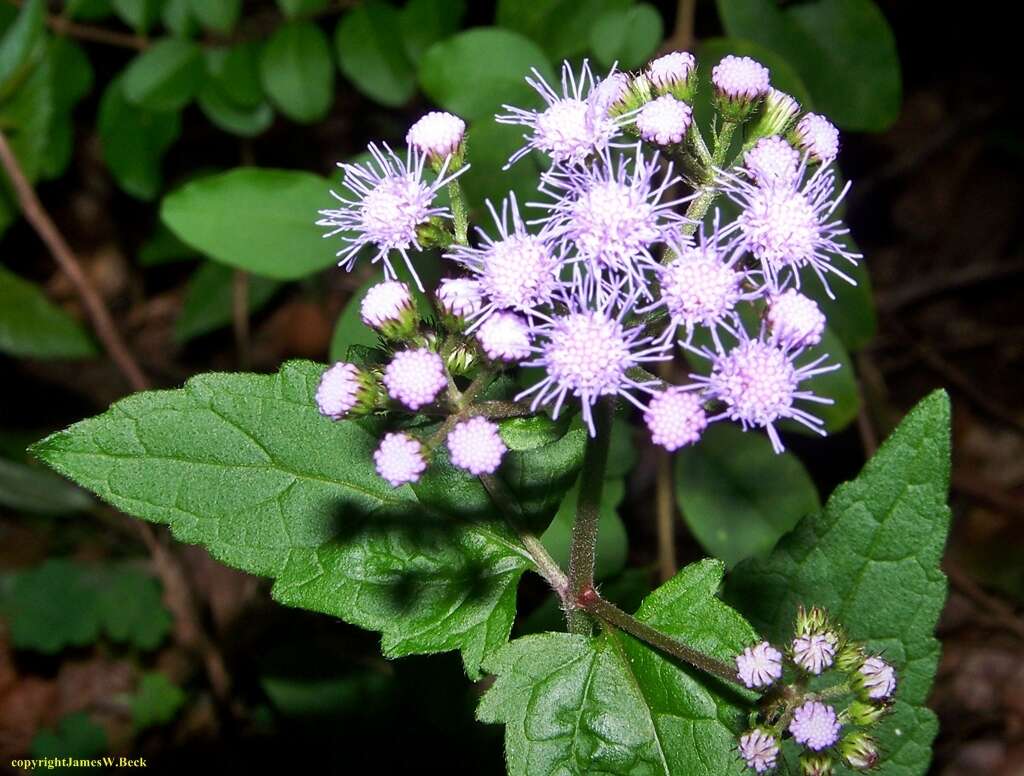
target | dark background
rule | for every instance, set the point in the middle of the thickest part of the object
(935, 206)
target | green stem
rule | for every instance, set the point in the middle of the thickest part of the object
(583, 545)
(460, 212)
(708, 193)
(613, 615)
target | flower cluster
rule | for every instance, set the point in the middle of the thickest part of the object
(612, 267)
(824, 691)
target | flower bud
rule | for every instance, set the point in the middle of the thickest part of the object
(344, 389)
(875, 679)
(459, 300)
(388, 307)
(440, 137)
(850, 657)
(759, 749)
(675, 74)
(816, 765)
(740, 85)
(778, 114)
(460, 357)
(859, 750)
(863, 714)
(811, 621)
(817, 137)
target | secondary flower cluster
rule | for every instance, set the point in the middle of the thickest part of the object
(613, 271)
(804, 687)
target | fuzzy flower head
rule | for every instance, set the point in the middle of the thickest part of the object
(571, 127)
(664, 121)
(415, 377)
(517, 271)
(818, 136)
(759, 665)
(388, 308)
(387, 201)
(758, 382)
(878, 678)
(586, 353)
(795, 320)
(437, 135)
(772, 159)
(504, 336)
(611, 217)
(740, 82)
(476, 446)
(815, 652)
(759, 750)
(675, 418)
(787, 226)
(672, 72)
(815, 725)
(399, 459)
(338, 391)
(460, 297)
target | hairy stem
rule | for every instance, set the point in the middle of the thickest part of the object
(700, 204)
(460, 212)
(583, 544)
(613, 615)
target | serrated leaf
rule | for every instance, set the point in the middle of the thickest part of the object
(37, 491)
(368, 43)
(245, 465)
(499, 61)
(737, 495)
(33, 327)
(217, 15)
(62, 603)
(166, 76)
(844, 51)
(156, 701)
(627, 36)
(872, 559)
(297, 71)
(580, 705)
(280, 239)
(209, 299)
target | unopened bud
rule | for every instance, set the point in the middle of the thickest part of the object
(859, 750)
(740, 85)
(344, 389)
(863, 714)
(778, 113)
(674, 74)
(816, 765)
(388, 307)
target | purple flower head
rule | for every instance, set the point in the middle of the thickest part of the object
(759, 749)
(460, 297)
(671, 70)
(740, 78)
(676, 418)
(664, 120)
(390, 201)
(586, 353)
(818, 136)
(815, 725)
(609, 95)
(415, 377)
(388, 308)
(437, 135)
(815, 652)
(787, 226)
(338, 390)
(399, 459)
(772, 159)
(611, 216)
(519, 270)
(504, 336)
(759, 665)
(476, 446)
(759, 381)
(795, 320)
(571, 127)
(878, 678)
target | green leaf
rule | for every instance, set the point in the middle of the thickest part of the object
(88, 10)
(166, 76)
(349, 329)
(628, 36)
(20, 39)
(236, 71)
(737, 495)
(72, 73)
(561, 27)
(134, 139)
(612, 541)
(490, 145)
(33, 327)
(245, 465)
(62, 603)
(368, 44)
(164, 247)
(280, 239)
(208, 301)
(843, 50)
(76, 736)
(872, 559)
(37, 491)
(140, 15)
(156, 701)
(295, 8)
(327, 696)
(177, 17)
(424, 22)
(499, 61)
(28, 114)
(611, 705)
(217, 15)
(297, 72)
(241, 121)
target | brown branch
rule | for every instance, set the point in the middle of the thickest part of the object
(666, 514)
(40, 220)
(682, 37)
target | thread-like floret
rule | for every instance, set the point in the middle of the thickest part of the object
(415, 377)
(399, 459)
(815, 725)
(759, 665)
(675, 418)
(476, 446)
(664, 120)
(698, 288)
